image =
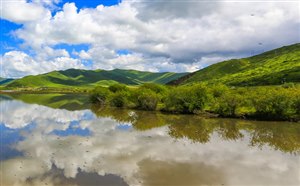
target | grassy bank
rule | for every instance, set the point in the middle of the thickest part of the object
(264, 103)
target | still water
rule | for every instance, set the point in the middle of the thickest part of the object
(55, 139)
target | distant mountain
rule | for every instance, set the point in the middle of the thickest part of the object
(4, 81)
(269, 68)
(83, 78)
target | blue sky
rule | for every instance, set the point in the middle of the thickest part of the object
(9, 41)
(93, 3)
(41, 36)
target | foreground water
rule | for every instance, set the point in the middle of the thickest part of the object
(58, 140)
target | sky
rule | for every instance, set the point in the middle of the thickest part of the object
(40, 36)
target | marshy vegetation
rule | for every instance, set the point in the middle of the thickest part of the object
(266, 103)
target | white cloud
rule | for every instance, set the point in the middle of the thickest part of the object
(19, 11)
(49, 3)
(168, 9)
(17, 64)
(24, 114)
(178, 35)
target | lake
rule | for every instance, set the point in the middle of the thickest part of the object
(56, 139)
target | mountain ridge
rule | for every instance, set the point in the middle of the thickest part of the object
(4, 81)
(78, 77)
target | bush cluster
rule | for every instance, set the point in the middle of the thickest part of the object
(272, 103)
(187, 99)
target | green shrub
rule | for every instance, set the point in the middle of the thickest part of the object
(159, 89)
(119, 99)
(296, 105)
(272, 104)
(145, 99)
(99, 95)
(187, 99)
(200, 97)
(218, 90)
(175, 100)
(228, 103)
(118, 87)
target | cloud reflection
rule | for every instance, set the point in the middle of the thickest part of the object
(139, 157)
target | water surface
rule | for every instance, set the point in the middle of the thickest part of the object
(61, 140)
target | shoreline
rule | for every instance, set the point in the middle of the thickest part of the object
(204, 114)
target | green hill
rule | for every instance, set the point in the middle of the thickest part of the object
(270, 68)
(85, 78)
(4, 81)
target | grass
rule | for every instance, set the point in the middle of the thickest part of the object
(274, 67)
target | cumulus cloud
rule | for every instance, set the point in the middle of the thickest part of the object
(167, 9)
(48, 3)
(19, 11)
(179, 34)
(17, 64)
(24, 115)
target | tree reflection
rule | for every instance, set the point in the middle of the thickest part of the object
(229, 130)
(120, 115)
(148, 120)
(280, 136)
(283, 136)
(197, 130)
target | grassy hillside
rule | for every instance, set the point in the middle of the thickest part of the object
(4, 81)
(270, 68)
(86, 78)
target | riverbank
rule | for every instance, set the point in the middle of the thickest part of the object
(276, 103)
(259, 103)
